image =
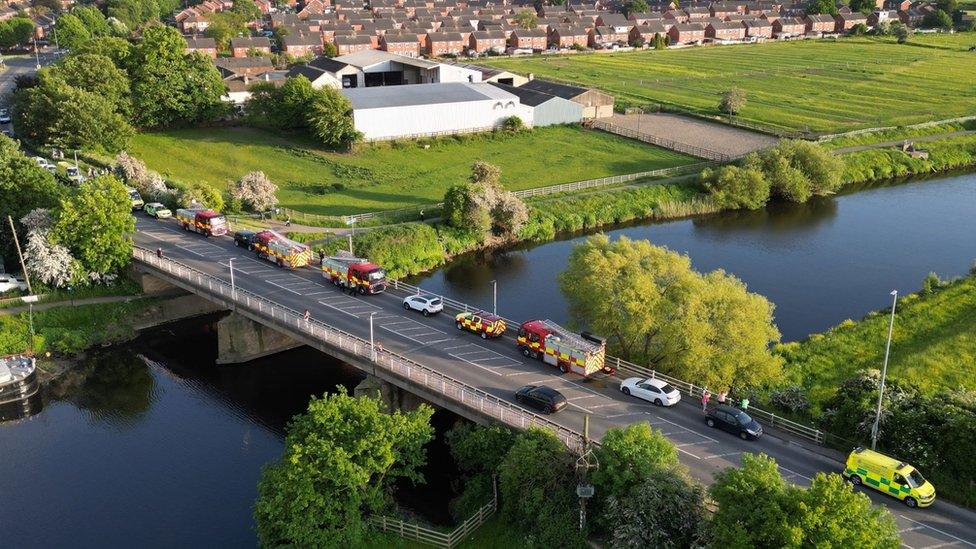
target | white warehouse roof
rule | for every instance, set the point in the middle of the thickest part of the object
(428, 94)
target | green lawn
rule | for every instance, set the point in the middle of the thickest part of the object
(819, 86)
(392, 175)
(933, 347)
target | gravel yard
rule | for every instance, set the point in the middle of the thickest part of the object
(695, 132)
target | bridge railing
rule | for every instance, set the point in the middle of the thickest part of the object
(628, 369)
(318, 331)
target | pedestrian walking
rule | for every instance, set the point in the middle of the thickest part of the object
(706, 396)
(159, 253)
(745, 404)
(308, 315)
(721, 396)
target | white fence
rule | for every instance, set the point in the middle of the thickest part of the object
(320, 334)
(437, 538)
(628, 369)
(685, 148)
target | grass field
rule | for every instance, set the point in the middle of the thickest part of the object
(933, 347)
(817, 86)
(392, 175)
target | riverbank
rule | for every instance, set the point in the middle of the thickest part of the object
(943, 155)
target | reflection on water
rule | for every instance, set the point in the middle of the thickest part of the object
(116, 388)
(819, 263)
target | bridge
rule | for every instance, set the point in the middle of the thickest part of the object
(475, 378)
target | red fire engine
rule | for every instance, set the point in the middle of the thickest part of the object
(207, 222)
(281, 250)
(544, 339)
(355, 273)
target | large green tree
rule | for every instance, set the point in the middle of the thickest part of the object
(478, 451)
(95, 222)
(663, 509)
(798, 169)
(93, 19)
(16, 31)
(115, 48)
(340, 459)
(296, 105)
(330, 119)
(136, 12)
(654, 309)
(247, 10)
(735, 187)
(24, 186)
(224, 25)
(99, 75)
(629, 454)
(71, 31)
(170, 86)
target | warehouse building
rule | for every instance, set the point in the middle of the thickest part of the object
(547, 110)
(370, 68)
(395, 112)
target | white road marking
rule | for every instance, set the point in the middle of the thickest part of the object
(582, 397)
(626, 414)
(723, 455)
(689, 430)
(794, 473)
(693, 443)
(939, 531)
(189, 250)
(282, 287)
(911, 529)
(578, 406)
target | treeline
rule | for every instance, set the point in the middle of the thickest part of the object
(297, 106)
(94, 97)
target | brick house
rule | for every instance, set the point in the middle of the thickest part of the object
(437, 44)
(350, 44)
(298, 45)
(758, 28)
(725, 30)
(528, 39)
(566, 36)
(687, 33)
(482, 41)
(605, 36)
(844, 22)
(895, 5)
(819, 23)
(643, 34)
(912, 17)
(240, 45)
(879, 17)
(789, 26)
(206, 46)
(401, 44)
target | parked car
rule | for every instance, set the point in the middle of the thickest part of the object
(245, 239)
(157, 210)
(45, 163)
(4, 116)
(484, 324)
(734, 421)
(540, 397)
(426, 304)
(10, 282)
(655, 391)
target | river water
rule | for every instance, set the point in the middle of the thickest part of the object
(152, 444)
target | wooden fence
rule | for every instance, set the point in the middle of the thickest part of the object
(437, 538)
(678, 146)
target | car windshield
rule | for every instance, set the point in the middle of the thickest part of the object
(915, 479)
(218, 221)
(667, 389)
(378, 274)
(134, 195)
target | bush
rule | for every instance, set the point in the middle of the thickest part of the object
(513, 124)
(792, 398)
(734, 187)
(400, 249)
(797, 170)
(201, 194)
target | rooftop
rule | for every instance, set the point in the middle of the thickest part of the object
(367, 58)
(427, 94)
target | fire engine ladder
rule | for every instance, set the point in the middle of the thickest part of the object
(346, 257)
(570, 338)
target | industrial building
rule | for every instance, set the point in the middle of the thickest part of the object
(547, 110)
(373, 68)
(388, 112)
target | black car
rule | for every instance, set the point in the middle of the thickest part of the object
(542, 398)
(244, 239)
(734, 421)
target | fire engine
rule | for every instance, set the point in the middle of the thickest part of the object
(544, 339)
(276, 248)
(484, 324)
(355, 273)
(207, 222)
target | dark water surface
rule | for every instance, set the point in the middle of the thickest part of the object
(819, 263)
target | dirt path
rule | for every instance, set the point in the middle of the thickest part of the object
(898, 142)
(70, 302)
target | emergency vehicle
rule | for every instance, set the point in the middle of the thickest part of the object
(484, 324)
(578, 353)
(355, 273)
(279, 249)
(206, 222)
(136, 198)
(888, 475)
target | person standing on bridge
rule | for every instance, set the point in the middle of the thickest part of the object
(721, 396)
(745, 404)
(308, 315)
(159, 253)
(706, 396)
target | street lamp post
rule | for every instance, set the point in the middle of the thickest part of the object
(494, 297)
(884, 371)
(37, 57)
(233, 288)
(372, 347)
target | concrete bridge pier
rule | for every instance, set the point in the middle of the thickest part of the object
(240, 339)
(393, 397)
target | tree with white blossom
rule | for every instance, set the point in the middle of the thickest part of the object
(135, 173)
(52, 264)
(255, 191)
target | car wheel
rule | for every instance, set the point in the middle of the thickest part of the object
(484, 335)
(237, 244)
(526, 351)
(518, 398)
(406, 305)
(362, 291)
(710, 422)
(910, 501)
(426, 312)
(657, 402)
(625, 391)
(547, 409)
(855, 479)
(459, 326)
(743, 435)
(563, 368)
(281, 264)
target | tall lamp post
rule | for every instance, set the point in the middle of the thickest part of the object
(494, 297)
(372, 347)
(884, 372)
(233, 288)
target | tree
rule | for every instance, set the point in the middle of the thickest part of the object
(116, 49)
(831, 514)
(133, 13)
(659, 42)
(93, 19)
(798, 169)
(99, 75)
(72, 33)
(484, 174)
(51, 5)
(329, 49)
(341, 457)
(247, 10)
(16, 31)
(827, 7)
(664, 509)
(635, 6)
(526, 19)
(627, 456)
(48, 263)
(55, 113)
(536, 484)
(754, 507)
(201, 194)
(509, 213)
(478, 451)
(863, 6)
(901, 32)
(224, 25)
(94, 223)
(135, 174)
(732, 101)
(255, 191)
(170, 86)
(654, 309)
(938, 19)
(735, 187)
(24, 186)
(330, 119)
(948, 6)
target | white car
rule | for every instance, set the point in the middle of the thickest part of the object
(655, 391)
(10, 282)
(427, 304)
(4, 116)
(44, 163)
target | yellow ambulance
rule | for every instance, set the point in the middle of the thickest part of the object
(888, 475)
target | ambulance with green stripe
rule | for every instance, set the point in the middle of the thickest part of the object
(888, 475)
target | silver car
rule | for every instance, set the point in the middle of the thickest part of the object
(426, 304)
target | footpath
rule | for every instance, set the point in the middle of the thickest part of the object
(72, 302)
(898, 142)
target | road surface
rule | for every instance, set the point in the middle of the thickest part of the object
(496, 366)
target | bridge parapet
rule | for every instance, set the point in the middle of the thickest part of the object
(406, 372)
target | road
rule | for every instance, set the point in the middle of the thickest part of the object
(495, 366)
(15, 66)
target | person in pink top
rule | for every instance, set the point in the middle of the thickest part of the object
(706, 396)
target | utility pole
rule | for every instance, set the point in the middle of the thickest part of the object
(586, 461)
(20, 254)
(494, 297)
(884, 372)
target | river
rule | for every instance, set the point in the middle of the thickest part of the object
(151, 441)
(819, 263)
